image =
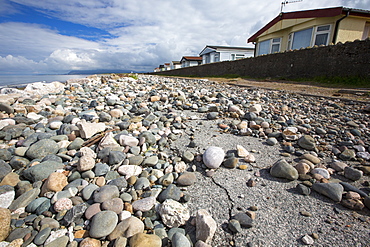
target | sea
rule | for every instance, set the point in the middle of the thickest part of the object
(20, 80)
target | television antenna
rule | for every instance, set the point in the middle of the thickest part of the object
(286, 2)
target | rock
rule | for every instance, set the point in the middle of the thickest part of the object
(256, 108)
(171, 192)
(332, 190)
(272, 141)
(115, 205)
(303, 189)
(282, 169)
(338, 166)
(24, 199)
(353, 204)
(348, 154)
(200, 243)
(90, 242)
(42, 170)
(87, 130)
(74, 214)
(41, 237)
(55, 182)
(150, 161)
(144, 205)
(11, 179)
(367, 201)
(127, 228)
(129, 170)
(145, 240)
(63, 204)
(180, 240)
(205, 226)
(349, 187)
(173, 213)
(323, 172)
(105, 193)
(186, 179)
(231, 162)
(244, 220)
(141, 183)
(302, 168)
(307, 142)
(234, 226)
(59, 242)
(242, 152)
(311, 158)
(42, 148)
(213, 157)
(92, 210)
(7, 195)
(307, 240)
(5, 169)
(352, 173)
(103, 224)
(5, 218)
(126, 140)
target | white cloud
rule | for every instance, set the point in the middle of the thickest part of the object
(147, 33)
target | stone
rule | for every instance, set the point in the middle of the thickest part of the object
(205, 226)
(302, 168)
(87, 130)
(303, 189)
(7, 195)
(353, 204)
(92, 210)
(88, 191)
(234, 226)
(24, 199)
(352, 173)
(311, 158)
(42, 148)
(129, 170)
(187, 156)
(348, 154)
(231, 162)
(173, 213)
(126, 140)
(54, 183)
(213, 157)
(6, 108)
(5, 169)
(144, 204)
(307, 142)
(114, 204)
(272, 141)
(5, 218)
(186, 179)
(105, 193)
(242, 152)
(171, 192)
(74, 214)
(349, 187)
(244, 220)
(90, 242)
(127, 228)
(332, 190)
(10, 179)
(41, 171)
(180, 240)
(58, 242)
(145, 240)
(150, 161)
(200, 243)
(282, 169)
(323, 172)
(307, 240)
(338, 166)
(256, 108)
(63, 204)
(102, 224)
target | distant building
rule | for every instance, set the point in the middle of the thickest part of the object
(189, 61)
(161, 67)
(167, 66)
(157, 69)
(301, 29)
(175, 65)
(213, 53)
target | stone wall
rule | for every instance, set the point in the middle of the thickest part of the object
(345, 60)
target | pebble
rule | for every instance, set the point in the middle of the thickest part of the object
(282, 169)
(244, 220)
(186, 179)
(307, 240)
(103, 223)
(213, 157)
(352, 173)
(205, 226)
(332, 190)
(127, 228)
(144, 240)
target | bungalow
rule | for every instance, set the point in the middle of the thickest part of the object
(167, 66)
(175, 64)
(213, 53)
(161, 67)
(301, 29)
(188, 61)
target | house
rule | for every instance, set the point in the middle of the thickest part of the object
(213, 53)
(162, 68)
(189, 61)
(175, 65)
(157, 69)
(301, 29)
(167, 66)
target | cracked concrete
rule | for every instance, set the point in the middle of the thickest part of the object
(278, 220)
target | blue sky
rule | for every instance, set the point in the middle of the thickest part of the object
(50, 36)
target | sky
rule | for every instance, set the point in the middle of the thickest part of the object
(55, 37)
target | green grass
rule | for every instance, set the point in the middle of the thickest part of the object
(338, 81)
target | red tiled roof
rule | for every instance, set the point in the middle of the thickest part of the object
(314, 13)
(192, 58)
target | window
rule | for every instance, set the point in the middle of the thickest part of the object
(366, 33)
(269, 46)
(318, 35)
(302, 39)
(236, 56)
(322, 35)
(217, 57)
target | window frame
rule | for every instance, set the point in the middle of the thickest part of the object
(314, 33)
(271, 43)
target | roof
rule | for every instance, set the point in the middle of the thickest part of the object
(190, 58)
(175, 62)
(313, 13)
(227, 47)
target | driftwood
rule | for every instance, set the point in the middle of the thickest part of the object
(96, 138)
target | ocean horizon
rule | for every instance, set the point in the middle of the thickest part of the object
(18, 80)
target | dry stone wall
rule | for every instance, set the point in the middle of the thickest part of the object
(347, 60)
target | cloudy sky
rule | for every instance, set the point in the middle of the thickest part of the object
(51, 36)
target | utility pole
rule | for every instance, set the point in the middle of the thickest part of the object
(286, 2)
